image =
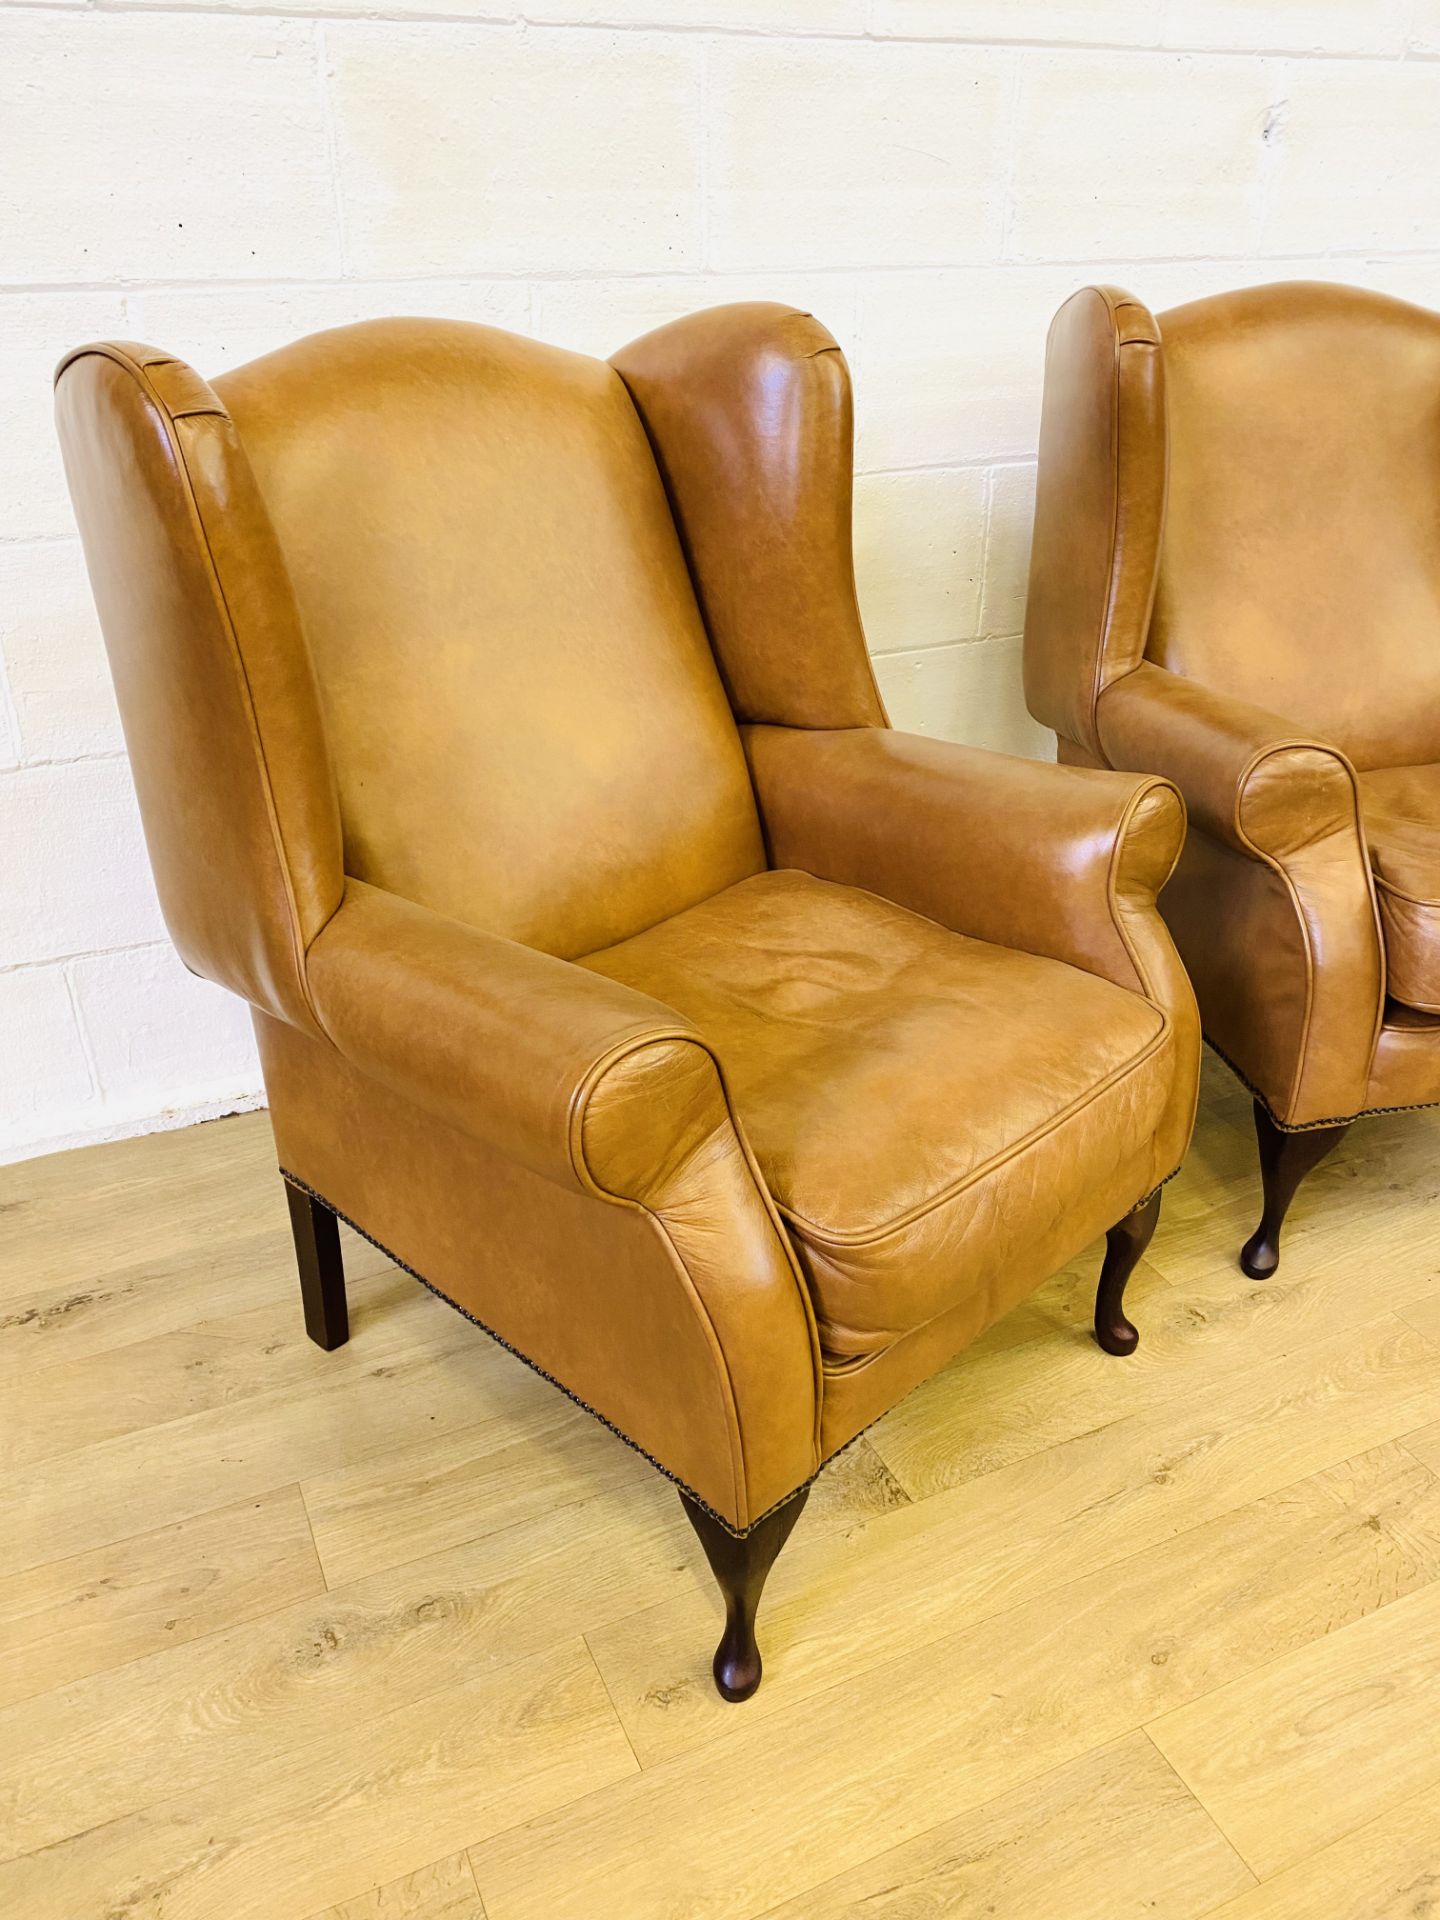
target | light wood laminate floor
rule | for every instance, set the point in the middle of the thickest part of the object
(398, 1631)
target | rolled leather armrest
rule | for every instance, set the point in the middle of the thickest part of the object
(578, 1077)
(1059, 861)
(1253, 782)
(603, 1089)
(1290, 969)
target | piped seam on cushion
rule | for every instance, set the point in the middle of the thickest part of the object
(1411, 900)
(871, 1235)
(846, 1366)
(1400, 893)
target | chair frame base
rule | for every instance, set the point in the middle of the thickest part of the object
(1286, 1157)
(740, 1563)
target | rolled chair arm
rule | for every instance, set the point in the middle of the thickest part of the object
(578, 1077)
(1060, 861)
(1274, 908)
(1248, 778)
(604, 1090)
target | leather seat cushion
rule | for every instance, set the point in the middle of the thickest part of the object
(924, 1107)
(1402, 825)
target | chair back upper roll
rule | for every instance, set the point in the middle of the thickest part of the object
(528, 727)
(1099, 508)
(1300, 564)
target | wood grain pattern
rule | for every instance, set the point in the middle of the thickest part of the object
(1424, 1315)
(70, 1618)
(1334, 1730)
(189, 1718)
(997, 1610)
(421, 1497)
(1198, 1326)
(1387, 1870)
(1052, 1847)
(1424, 1444)
(115, 1305)
(444, 1891)
(147, 1479)
(126, 1213)
(955, 1721)
(343, 1812)
(978, 1550)
(98, 1396)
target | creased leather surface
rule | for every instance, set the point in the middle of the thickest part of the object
(1290, 970)
(1010, 850)
(1053, 861)
(922, 1106)
(1407, 1060)
(691, 1369)
(1402, 826)
(497, 1038)
(1099, 506)
(858, 1391)
(605, 1092)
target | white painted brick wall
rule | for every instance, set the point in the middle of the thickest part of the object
(930, 176)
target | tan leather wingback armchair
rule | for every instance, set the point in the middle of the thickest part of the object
(1236, 583)
(504, 733)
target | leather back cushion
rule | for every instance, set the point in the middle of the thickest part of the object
(1300, 567)
(528, 728)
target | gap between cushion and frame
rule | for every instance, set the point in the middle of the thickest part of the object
(1383, 886)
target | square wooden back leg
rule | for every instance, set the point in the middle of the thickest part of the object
(322, 1268)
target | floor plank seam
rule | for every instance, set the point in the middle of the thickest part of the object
(619, 1717)
(314, 1543)
(1186, 1787)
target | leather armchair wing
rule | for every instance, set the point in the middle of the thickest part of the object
(1235, 585)
(505, 734)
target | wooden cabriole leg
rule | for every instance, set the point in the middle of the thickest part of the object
(1124, 1244)
(322, 1270)
(1285, 1159)
(740, 1568)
